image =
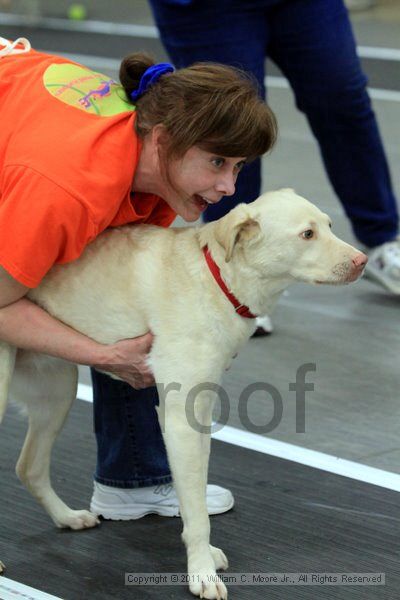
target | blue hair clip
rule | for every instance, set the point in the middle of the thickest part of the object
(150, 76)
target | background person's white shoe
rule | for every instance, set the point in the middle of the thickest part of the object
(123, 504)
(264, 326)
(383, 265)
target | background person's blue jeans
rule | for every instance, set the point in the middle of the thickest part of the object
(312, 43)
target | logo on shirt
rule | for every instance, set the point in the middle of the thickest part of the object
(86, 90)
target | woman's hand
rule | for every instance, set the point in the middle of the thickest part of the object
(128, 360)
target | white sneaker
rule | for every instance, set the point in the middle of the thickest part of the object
(133, 503)
(264, 326)
(383, 265)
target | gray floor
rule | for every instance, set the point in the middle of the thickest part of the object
(288, 518)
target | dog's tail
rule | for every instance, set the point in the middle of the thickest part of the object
(7, 361)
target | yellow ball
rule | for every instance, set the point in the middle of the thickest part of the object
(77, 12)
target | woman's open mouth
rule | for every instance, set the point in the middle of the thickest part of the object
(201, 202)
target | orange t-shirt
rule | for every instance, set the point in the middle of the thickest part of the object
(68, 154)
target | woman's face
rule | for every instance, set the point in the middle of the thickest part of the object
(198, 179)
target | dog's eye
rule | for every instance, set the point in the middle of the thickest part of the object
(307, 235)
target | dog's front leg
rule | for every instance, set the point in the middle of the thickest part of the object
(220, 559)
(187, 451)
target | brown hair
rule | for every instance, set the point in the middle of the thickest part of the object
(210, 105)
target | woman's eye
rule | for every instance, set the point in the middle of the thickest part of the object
(218, 162)
(307, 235)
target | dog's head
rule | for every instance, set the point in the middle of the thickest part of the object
(283, 235)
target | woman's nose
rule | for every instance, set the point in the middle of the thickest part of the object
(226, 185)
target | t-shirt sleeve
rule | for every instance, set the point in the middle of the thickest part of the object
(41, 224)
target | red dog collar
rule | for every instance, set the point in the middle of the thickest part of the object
(241, 310)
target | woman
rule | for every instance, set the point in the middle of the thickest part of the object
(80, 153)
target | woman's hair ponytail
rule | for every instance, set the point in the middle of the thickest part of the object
(131, 70)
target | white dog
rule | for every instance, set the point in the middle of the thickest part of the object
(173, 282)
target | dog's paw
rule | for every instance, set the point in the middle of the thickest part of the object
(219, 557)
(2, 567)
(78, 519)
(208, 585)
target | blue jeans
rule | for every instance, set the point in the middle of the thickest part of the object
(313, 44)
(131, 451)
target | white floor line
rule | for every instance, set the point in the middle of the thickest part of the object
(375, 93)
(87, 26)
(98, 62)
(379, 94)
(13, 590)
(303, 456)
(144, 31)
(310, 458)
(378, 53)
(85, 392)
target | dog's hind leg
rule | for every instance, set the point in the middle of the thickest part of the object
(47, 388)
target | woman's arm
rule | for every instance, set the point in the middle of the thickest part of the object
(27, 326)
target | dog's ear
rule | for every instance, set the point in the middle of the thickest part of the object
(237, 228)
